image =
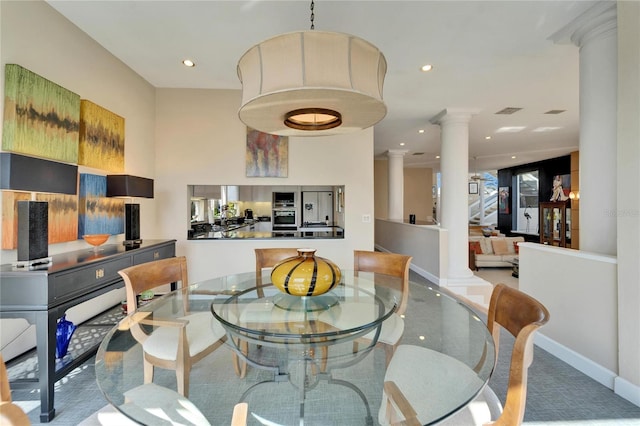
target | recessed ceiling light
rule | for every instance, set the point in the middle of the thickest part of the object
(188, 63)
(513, 157)
(421, 131)
(437, 157)
(426, 68)
(511, 129)
(401, 143)
(546, 129)
(487, 137)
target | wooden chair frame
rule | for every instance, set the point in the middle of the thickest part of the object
(392, 264)
(10, 413)
(521, 315)
(269, 257)
(148, 276)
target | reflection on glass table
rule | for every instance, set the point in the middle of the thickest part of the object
(301, 368)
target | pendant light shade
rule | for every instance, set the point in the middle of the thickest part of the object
(312, 83)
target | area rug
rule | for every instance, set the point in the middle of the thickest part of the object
(107, 416)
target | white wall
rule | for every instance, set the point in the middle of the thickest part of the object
(36, 37)
(426, 243)
(628, 198)
(580, 290)
(200, 140)
(195, 137)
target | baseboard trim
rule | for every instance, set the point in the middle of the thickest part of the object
(427, 275)
(627, 390)
(418, 270)
(604, 376)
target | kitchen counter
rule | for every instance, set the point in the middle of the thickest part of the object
(240, 234)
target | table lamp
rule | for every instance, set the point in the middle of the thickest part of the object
(131, 187)
(30, 174)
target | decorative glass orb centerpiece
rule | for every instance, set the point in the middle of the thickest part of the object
(305, 274)
(96, 240)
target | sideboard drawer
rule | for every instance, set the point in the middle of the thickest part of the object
(155, 254)
(66, 285)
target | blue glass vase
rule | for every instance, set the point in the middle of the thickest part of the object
(64, 332)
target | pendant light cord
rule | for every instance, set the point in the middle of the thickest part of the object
(312, 15)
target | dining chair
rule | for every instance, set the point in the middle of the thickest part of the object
(404, 402)
(10, 413)
(395, 265)
(266, 258)
(240, 411)
(269, 257)
(175, 343)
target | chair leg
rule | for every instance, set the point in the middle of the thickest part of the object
(325, 355)
(389, 350)
(182, 378)
(147, 371)
(240, 365)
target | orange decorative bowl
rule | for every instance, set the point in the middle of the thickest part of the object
(96, 239)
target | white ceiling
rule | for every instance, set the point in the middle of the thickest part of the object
(487, 55)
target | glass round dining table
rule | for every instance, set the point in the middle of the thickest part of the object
(294, 360)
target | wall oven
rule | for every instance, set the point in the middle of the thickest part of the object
(284, 219)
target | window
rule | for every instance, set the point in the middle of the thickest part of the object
(527, 209)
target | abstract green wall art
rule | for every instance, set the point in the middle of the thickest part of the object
(41, 118)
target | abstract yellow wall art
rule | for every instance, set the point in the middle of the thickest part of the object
(101, 138)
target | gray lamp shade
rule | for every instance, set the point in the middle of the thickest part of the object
(129, 186)
(23, 173)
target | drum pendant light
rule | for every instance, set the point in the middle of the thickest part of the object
(312, 83)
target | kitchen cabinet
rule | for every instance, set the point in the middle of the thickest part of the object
(261, 193)
(263, 226)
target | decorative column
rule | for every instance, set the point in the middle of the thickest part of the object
(396, 184)
(454, 169)
(595, 33)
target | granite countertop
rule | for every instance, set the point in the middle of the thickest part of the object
(240, 234)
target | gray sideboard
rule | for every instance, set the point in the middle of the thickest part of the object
(42, 296)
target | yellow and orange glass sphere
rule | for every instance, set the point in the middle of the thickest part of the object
(305, 274)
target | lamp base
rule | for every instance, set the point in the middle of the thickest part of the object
(132, 243)
(32, 263)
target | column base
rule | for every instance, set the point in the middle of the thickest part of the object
(473, 290)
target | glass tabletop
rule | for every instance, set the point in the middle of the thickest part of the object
(280, 332)
(261, 313)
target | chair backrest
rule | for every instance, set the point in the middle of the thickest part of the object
(522, 316)
(269, 257)
(150, 275)
(10, 413)
(396, 265)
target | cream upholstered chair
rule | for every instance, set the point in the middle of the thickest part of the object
(403, 401)
(10, 413)
(175, 343)
(395, 265)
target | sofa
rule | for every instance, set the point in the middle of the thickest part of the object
(494, 251)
